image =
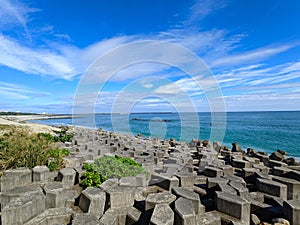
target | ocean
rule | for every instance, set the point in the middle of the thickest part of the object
(262, 131)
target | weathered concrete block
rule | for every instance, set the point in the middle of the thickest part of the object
(263, 158)
(141, 180)
(293, 175)
(224, 187)
(109, 218)
(251, 160)
(274, 163)
(170, 168)
(73, 161)
(120, 196)
(227, 170)
(186, 179)
(15, 193)
(133, 216)
(251, 174)
(213, 171)
(128, 181)
(67, 176)
(236, 179)
(22, 209)
(92, 201)
(213, 182)
(200, 191)
(192, 196)
(60, 216)
(262, 168)
(159, 198)
(40, 173)
(109, 184)
(234, 206)
(240, 163)
(209, 218)
(272, 188)
(85, 219)
(54, 195)
(8, 182)
(184, 212)
(14, 178)
(293, 186)
(240, 188)
(162, 215)
(264, 211)
(291, 211)
(166, 182)
(280, 171)
(248, 172)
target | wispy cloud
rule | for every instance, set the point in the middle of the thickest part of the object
(67, 61)
(252, 56)
(15, 13)
(203, 8)
(18, 92)
(34, 61)
(268, 83)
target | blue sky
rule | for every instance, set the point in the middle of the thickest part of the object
(252, 48)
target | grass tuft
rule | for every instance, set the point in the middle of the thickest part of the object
(20, 148)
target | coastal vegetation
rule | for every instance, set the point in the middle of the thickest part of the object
(16, 114)
(61, 135)
(20, 148)
(109, 167)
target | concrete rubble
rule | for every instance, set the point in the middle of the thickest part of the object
(199, 183)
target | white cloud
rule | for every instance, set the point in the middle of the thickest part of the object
(251, 56)
(203, 8)
(258, 80)
(17, 92)
(291, 67)
(15, 13)
(34, 61)
(67, 61)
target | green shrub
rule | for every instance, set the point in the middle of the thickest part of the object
(47, 136)
(128, 161)
(109, 167)
(19, 148)
(63, 135)
(55, 159)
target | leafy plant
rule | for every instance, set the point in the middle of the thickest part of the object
(128, 161)
(47, 136)
(109, 167)
(55, 159)
(63, 135)
(20, 148)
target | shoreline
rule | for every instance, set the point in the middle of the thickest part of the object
(24, 120)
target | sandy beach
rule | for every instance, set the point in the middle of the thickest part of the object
(22, 121)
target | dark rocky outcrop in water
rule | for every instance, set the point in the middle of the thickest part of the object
(151, 120)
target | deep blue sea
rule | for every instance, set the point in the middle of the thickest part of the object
(264, 131)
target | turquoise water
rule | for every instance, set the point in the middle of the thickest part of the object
(265, 131)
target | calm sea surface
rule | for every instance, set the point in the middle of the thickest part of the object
(265, 131)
